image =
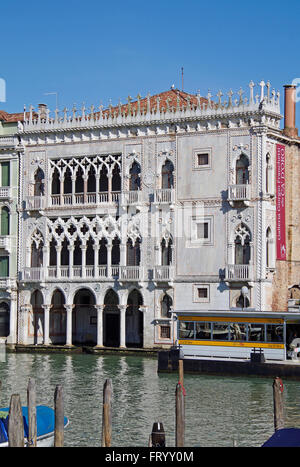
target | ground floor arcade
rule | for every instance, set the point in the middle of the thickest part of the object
(117, 319)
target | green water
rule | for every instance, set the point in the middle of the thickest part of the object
(220, 411)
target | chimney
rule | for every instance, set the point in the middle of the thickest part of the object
(43, 112)
(290, 111)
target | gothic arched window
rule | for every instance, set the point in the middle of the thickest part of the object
(5, 215)
(242, 245)
(166, 305)
(242, 170)
(39, 182)
(166, 252)
(167, 175)
(135, 177)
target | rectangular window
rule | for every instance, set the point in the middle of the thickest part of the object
(186, 330)
(203, 159)
(202, 292)
(220, 332)
(274, 333)
(4, 266)
(165, 332)
(238, 331)
(5, 174)
(202, 230)
(203, 331)
(256, 332)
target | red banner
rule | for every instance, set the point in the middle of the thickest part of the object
(280, 202)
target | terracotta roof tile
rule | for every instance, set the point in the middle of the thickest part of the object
(11, 118)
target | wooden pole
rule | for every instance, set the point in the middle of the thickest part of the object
(181, 372)
(15, 423)
(157, 437)
(107, 414)
(31, 404)
(180, 422)
(59, 417)
(278, 404)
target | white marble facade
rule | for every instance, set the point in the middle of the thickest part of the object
(129, 215)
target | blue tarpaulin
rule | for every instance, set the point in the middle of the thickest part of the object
(45, 420)
(285, 437)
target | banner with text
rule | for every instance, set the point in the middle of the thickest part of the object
(280, 202)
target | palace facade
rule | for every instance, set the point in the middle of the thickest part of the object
(127, 213)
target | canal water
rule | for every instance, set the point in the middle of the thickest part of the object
(220, 411)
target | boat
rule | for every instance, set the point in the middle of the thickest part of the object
(45, 420)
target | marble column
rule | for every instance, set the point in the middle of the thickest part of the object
(12, 338)
(46, 323)
(122, 309)
(100, 309)
(69, 309)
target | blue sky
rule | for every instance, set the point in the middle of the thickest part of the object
(92, 51)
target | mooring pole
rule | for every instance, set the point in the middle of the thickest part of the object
(278, 404)
(107, 414)
(31, 404)
(15, 423)
(59, 417)
(180, 418)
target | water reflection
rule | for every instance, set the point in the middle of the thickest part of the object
(219, 411)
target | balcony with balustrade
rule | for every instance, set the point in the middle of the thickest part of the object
(163, 274)
(7, 142)
(239, 193)
(5, 192)
(164, 196)
(5, 242)
(239, 272)
(35, 203)
(100, 273)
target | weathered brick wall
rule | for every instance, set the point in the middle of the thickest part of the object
(288, 272)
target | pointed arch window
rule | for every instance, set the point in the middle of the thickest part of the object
(166, 252)
(167, 175)
(242, 245)
(242, 170)
(116, 178)
(133, 252)
(55, 185)
(269, 249)
(39, 177)
(166, 305)
(68, 181)
(5, 220)
(135, 177)
(269, 174)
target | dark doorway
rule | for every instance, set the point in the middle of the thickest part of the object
(134, 320)
(112, 330)
(111, 324)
